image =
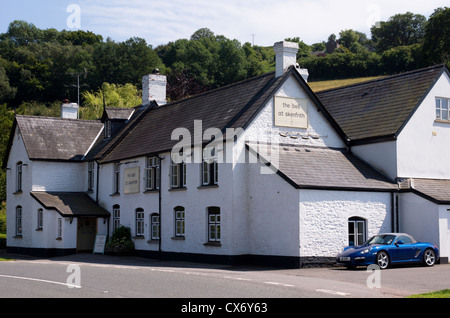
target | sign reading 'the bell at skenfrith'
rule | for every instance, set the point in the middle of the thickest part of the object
(291, 112)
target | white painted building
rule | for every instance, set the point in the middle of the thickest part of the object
(290, 182)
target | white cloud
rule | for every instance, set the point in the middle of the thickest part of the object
(161, 21)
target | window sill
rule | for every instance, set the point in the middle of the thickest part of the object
(442, 121)
(152, 191)
(39, 230)
(208, 186)
(217, 244)
(154, 241)
(114, 194)
(17, 236)
(18, 192)
(178, 189)
(139, 237)
(178, 238)
(59, 238)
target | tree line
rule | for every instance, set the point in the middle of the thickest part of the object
(43, 66)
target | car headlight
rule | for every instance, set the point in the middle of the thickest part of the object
(367, 250)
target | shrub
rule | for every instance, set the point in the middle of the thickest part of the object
(120, 242)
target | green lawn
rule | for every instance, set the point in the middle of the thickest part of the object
(323, 85)
(445, 293)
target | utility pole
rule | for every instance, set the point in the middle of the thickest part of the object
(253, 39)
(77, 85)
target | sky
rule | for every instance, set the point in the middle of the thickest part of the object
(260, 22)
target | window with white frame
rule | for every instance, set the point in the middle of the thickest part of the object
(19, 221)
(59, 228)
(139, 222)
(154, 226)
(19, 166)
(179, 221)
(442, 108)
(116, 217)
(214, 224)
(356, 231)
(40, 219)
(152, 173)
(210, 167)
(177, 175)
(116, 185)
(91, 167)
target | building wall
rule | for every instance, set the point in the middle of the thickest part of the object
(422, 146)
(17, 154)
(263, 129)
(381, 156)
(419, 217)
(324, 218)
(59, 176)
(194, 198)
(273, 214)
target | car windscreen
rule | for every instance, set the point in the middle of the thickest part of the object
(381, 239)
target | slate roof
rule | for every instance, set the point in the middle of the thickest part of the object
(118, 113)
(70, 204)
(50, 138)
(379, 108)
(437, 191)
(307, 167)
(232, 106)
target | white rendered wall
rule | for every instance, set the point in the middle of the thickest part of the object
(59, 176)
(381, 156)
(194, 198)
(419, 217)
(422, 145)
(273, 214)
(17, 154)
(324, 218)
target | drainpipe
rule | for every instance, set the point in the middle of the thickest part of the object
(160, 208)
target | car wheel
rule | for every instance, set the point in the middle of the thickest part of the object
(429, 257)
(383, 260)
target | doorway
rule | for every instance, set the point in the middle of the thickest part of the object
(86, 232)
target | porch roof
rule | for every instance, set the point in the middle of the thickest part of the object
(70, 204)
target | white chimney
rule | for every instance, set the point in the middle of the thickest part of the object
(154, 88)
(69, 110)
(285, 56)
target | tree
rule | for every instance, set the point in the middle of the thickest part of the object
(399, 30)
(436, 44)
(110, 95)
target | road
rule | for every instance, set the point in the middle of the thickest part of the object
(99, 276)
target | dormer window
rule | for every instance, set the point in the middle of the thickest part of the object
(442, 108)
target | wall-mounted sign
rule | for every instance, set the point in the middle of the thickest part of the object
(291, 112)
(131, 180)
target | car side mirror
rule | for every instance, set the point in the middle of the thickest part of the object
(399, 243)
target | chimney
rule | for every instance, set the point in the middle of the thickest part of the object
(285, 56)
(154, 88)
(69, 110)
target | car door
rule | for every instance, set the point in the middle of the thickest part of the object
(403, 249)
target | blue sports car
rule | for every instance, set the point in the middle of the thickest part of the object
(389, 248)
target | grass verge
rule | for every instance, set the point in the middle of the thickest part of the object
(444, 293)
